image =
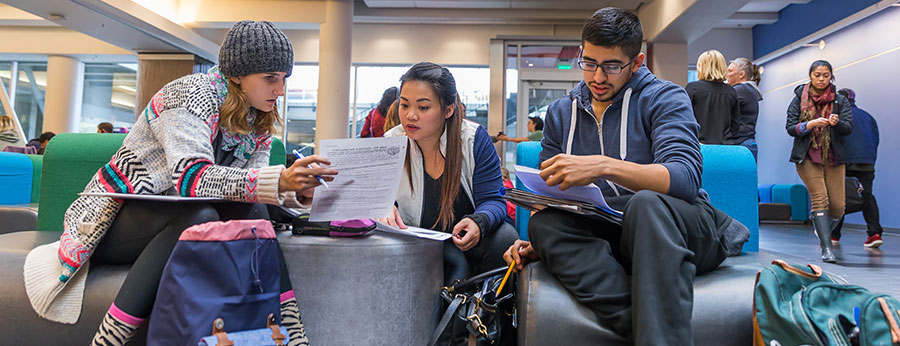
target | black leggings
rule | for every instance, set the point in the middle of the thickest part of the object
(145, 233)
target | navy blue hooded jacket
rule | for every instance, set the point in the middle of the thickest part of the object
(660, 128)
(861, 145)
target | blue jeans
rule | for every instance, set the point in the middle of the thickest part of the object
(751, 144)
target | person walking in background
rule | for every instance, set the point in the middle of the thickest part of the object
(105, 127)
(817, 117)
(861, 147)
(715, 103)
(374, 126)
(392, 118)
(743, 76)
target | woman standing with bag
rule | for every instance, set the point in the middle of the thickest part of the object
(816, 116)
(205, 135)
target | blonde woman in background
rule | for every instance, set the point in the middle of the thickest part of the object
(715, 103)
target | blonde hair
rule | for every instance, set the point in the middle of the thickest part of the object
(6, 123)
(233, 114)
(392, 118)
(711, 66)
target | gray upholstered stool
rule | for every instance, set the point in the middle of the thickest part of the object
(380, 289)
(722, 315)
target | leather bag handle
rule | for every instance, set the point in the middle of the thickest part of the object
(817, 271)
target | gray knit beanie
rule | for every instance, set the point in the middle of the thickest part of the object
(255, 47)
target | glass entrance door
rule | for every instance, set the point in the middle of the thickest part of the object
(533, 99)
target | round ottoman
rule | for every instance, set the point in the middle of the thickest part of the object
(380, 289)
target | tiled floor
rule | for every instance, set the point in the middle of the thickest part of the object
(875, 269)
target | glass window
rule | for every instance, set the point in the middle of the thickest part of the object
(692, 75)
(31, 85)
(558, 57)
(5, 72)
(302, 93)
(473, 85)
(109, 95)
(371, 82)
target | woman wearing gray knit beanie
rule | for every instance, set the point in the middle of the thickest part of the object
(203, 135)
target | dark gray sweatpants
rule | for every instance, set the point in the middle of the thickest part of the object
(637, 278)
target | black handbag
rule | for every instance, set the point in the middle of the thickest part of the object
(852, 195)
(490, 319)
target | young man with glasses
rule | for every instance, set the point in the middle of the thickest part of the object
(634, 136)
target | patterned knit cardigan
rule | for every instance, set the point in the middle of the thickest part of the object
(169, 146)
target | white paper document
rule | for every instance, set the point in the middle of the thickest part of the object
(413, 231)
(590, 193)
(369, 172)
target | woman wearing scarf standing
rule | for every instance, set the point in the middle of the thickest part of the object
(817, 115)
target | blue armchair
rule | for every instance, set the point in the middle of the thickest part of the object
(729, 177)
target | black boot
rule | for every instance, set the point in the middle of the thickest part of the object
(822, 223)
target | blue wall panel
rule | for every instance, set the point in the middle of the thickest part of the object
(799, 20)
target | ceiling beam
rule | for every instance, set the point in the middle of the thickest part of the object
(683, 21)
(122, 23)
(364, 14)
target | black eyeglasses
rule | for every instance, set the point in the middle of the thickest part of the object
(608, 68)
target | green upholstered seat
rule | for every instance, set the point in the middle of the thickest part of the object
(69, 162)
(37, 162)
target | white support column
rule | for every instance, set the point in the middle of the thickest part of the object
(497, 103)
(670, 62)
(62, 101)
(333, 103)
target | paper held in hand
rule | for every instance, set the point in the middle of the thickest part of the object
(590, 193)
(369, 173)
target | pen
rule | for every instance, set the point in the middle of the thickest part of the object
(502, 283)
(300, 157)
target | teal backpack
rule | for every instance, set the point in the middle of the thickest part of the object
(804, 306)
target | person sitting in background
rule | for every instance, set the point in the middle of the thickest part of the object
(861, 148)
(743, 75)
(374, 126)
(40, 143)
(8, 133)
(392, 118)
(105, 127)
(535, 132)
(715, 103)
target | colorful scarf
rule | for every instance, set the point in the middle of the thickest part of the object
(242, 146)
(814, 107)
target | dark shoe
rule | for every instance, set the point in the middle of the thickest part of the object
(873, 241)
(823, 226)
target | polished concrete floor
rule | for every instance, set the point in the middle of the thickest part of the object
(875, 269)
